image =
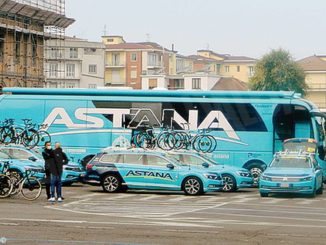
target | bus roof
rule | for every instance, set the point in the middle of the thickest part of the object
(152, 93)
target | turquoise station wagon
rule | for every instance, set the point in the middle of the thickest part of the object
(119, 170)
(292, 172)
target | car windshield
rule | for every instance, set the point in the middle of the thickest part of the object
(37, 154)
(291, 162)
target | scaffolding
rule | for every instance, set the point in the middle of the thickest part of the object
(26, 29)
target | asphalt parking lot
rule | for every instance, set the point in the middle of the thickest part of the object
(89, 216)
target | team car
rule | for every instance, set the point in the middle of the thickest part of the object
(71, 172)
(292, 172)
(233, 177)
(18, 167)
(119, 170)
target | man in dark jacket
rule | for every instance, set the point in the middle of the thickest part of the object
(49, 161)
(60, 159)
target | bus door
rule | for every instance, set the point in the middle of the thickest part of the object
(291, 121)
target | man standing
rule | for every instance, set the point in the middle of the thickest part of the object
(49, 161)
(60, 159)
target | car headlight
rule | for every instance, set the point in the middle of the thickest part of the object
(244, 173)
(309, 178)
(264, 177)
(212, 176)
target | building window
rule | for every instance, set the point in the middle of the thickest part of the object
(89, 51)
(116, 59)
(92, 86)
(55, 53)
(152, 83)
(53, 70)
(92, 69)
(238, 68)
(17, 44)
(2, 43)
(73, 53)
(70, 72)
(34, 49)
(251, 70)
(133, 57)
(196, 82)
(227, 68)
(71, 85)
(133, 74)
(154, 59)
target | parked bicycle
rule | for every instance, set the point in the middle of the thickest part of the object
(6, 185)
(27, 184)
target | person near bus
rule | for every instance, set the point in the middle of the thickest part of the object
(48, 157)
(60, 159)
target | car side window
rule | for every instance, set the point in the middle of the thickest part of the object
(156, 160)
(20, 154)
(187, 159)
(133, 159)
(4, 155)
(110, 158)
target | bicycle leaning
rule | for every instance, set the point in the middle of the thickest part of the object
(27, 184)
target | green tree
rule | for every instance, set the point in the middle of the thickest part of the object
(277, 71)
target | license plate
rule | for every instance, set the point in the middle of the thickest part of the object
(286, 185)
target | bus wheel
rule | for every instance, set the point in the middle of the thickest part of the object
(256, 170)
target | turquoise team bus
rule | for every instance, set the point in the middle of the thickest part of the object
(249, 126)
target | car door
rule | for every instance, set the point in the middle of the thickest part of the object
(160, 176)
(133, 169)
(318, 173)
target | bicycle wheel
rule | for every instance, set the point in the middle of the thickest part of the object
(205, 143)
(166, 141)
(214, 144)
(30, 138)
(31, 188)
(5, 186)
(181, 139)
(7, 135)
(44, 136)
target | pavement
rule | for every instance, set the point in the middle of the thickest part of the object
(89, 216)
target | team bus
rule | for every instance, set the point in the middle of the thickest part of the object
(249, 127)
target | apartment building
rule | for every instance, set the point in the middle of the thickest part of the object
(127, 64)
(24, 28)
(77, 63)
(315, 70)
(239, 67)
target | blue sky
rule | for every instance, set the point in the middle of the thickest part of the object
(238, 27)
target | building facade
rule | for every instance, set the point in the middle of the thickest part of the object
(315, 71)
(24, 28)
(127, 63)
(78, 63)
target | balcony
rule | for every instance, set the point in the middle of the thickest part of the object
(115, 65)
(316, 86)
(154, 65)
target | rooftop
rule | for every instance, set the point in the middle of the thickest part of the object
(47, 16)
(313, 63)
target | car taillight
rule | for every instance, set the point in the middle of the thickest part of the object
(89, 166)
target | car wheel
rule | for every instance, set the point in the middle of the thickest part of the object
(230, 183)
(320, 190)
(263, 194)
(111, 183)
(256, 170)
(193, 186)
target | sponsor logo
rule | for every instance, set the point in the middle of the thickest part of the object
(87, 118)
(158, 175)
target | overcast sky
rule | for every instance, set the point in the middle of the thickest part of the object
(238, 27)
